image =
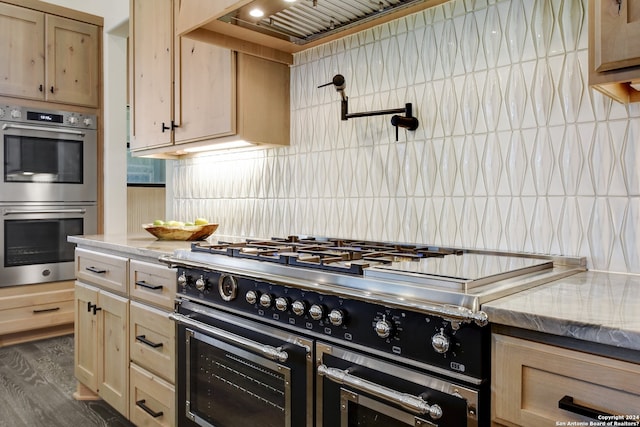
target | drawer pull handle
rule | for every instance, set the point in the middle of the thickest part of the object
(96, 270)
(145, 408)
(148, 286)
(143, 339)
(568, 404)
(46, 310)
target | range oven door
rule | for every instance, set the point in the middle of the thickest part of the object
(34, 241)
(354, 389)
(234, 372)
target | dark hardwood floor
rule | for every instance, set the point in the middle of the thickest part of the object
(36, 387)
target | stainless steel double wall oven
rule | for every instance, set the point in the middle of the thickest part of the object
(48, 191)
(308, 332)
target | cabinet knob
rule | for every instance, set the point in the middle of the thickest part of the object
(52, 90)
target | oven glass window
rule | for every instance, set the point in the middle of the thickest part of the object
(39, 241)
(29, 159)
(359, 411)
(229, 390)
(361, 416)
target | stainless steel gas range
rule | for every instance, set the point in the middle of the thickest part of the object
(309, 331)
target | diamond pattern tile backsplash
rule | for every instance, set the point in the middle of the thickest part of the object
(513, 152)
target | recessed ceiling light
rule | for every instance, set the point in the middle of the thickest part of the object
(290, 1)
(256, 13)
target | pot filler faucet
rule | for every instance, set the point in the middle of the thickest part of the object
(407, 121)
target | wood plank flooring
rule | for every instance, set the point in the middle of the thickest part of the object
(36, 387)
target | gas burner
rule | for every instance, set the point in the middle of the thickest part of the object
(329, 254)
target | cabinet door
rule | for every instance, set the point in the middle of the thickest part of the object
(151, 47)
(86, 336)
(22, 52)
(72, 61)
(617, 34)
(113, 353)
(205, 91)
(529, 380)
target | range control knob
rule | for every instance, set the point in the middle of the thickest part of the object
(316, 311)
(299, 308)
(440, 342)
(73, 120)
(383, 327)
(282, 304)
(251, 297)
(336, 317)
(266, 300)
(1, 113)
(182, 280)
(16, 114)
(87, 122)
(201, 284)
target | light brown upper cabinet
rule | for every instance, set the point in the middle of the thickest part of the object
(188, 94)
(48, 57)
(614, 48)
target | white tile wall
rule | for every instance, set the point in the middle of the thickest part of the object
(513, 152)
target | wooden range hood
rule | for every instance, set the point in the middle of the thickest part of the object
(286, 27)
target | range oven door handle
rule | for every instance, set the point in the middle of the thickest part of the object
(41, 128)
(268, 351)
(413, 403)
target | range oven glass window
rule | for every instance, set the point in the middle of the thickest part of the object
(31, 159)
(39, 241)
(359, 410)
(230, 387)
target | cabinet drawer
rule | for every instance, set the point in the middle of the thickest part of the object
(529, 379)
(52, 313)
(152, 283)
(103, 270)
(152, 399)
(152, 340)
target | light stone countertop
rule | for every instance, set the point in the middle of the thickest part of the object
(592, 306)
(137, 245)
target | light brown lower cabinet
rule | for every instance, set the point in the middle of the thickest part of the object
(529, 379)
(30, 312)
(124, 339)
(102, 345)
(152, 399)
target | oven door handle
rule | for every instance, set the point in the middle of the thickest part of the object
(413, 403)
(268, 351)
(42, 128)
(43, 211)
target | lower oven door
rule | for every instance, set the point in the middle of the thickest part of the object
(234, 372)
(34, 246)
(360, 390)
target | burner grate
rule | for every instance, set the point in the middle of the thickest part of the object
(329, 254)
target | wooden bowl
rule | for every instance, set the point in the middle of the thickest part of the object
(187, 232)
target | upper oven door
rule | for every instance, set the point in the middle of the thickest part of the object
(354, 389)
(47, 163)
(34, 241)
(235, 372)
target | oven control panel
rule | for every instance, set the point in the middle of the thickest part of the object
(38, 116)
(396, 332)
